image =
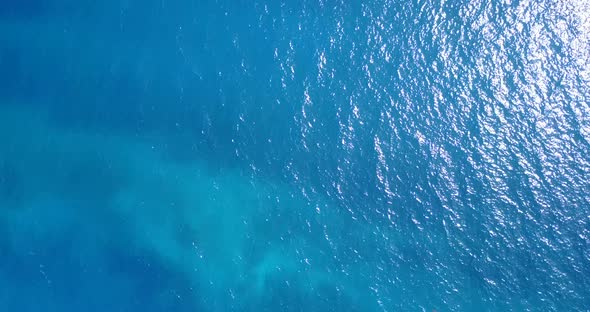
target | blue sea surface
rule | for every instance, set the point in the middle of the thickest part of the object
(230, 155)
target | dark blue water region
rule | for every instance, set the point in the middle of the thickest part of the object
(294, 155)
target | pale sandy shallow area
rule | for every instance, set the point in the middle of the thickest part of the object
(232, 238)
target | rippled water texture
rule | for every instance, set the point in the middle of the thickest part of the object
(294, 155)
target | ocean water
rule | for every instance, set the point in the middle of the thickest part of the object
(374, 155)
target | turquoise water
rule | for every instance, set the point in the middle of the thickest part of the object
(294, 155)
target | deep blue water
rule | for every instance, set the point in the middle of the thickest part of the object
(294, 155)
